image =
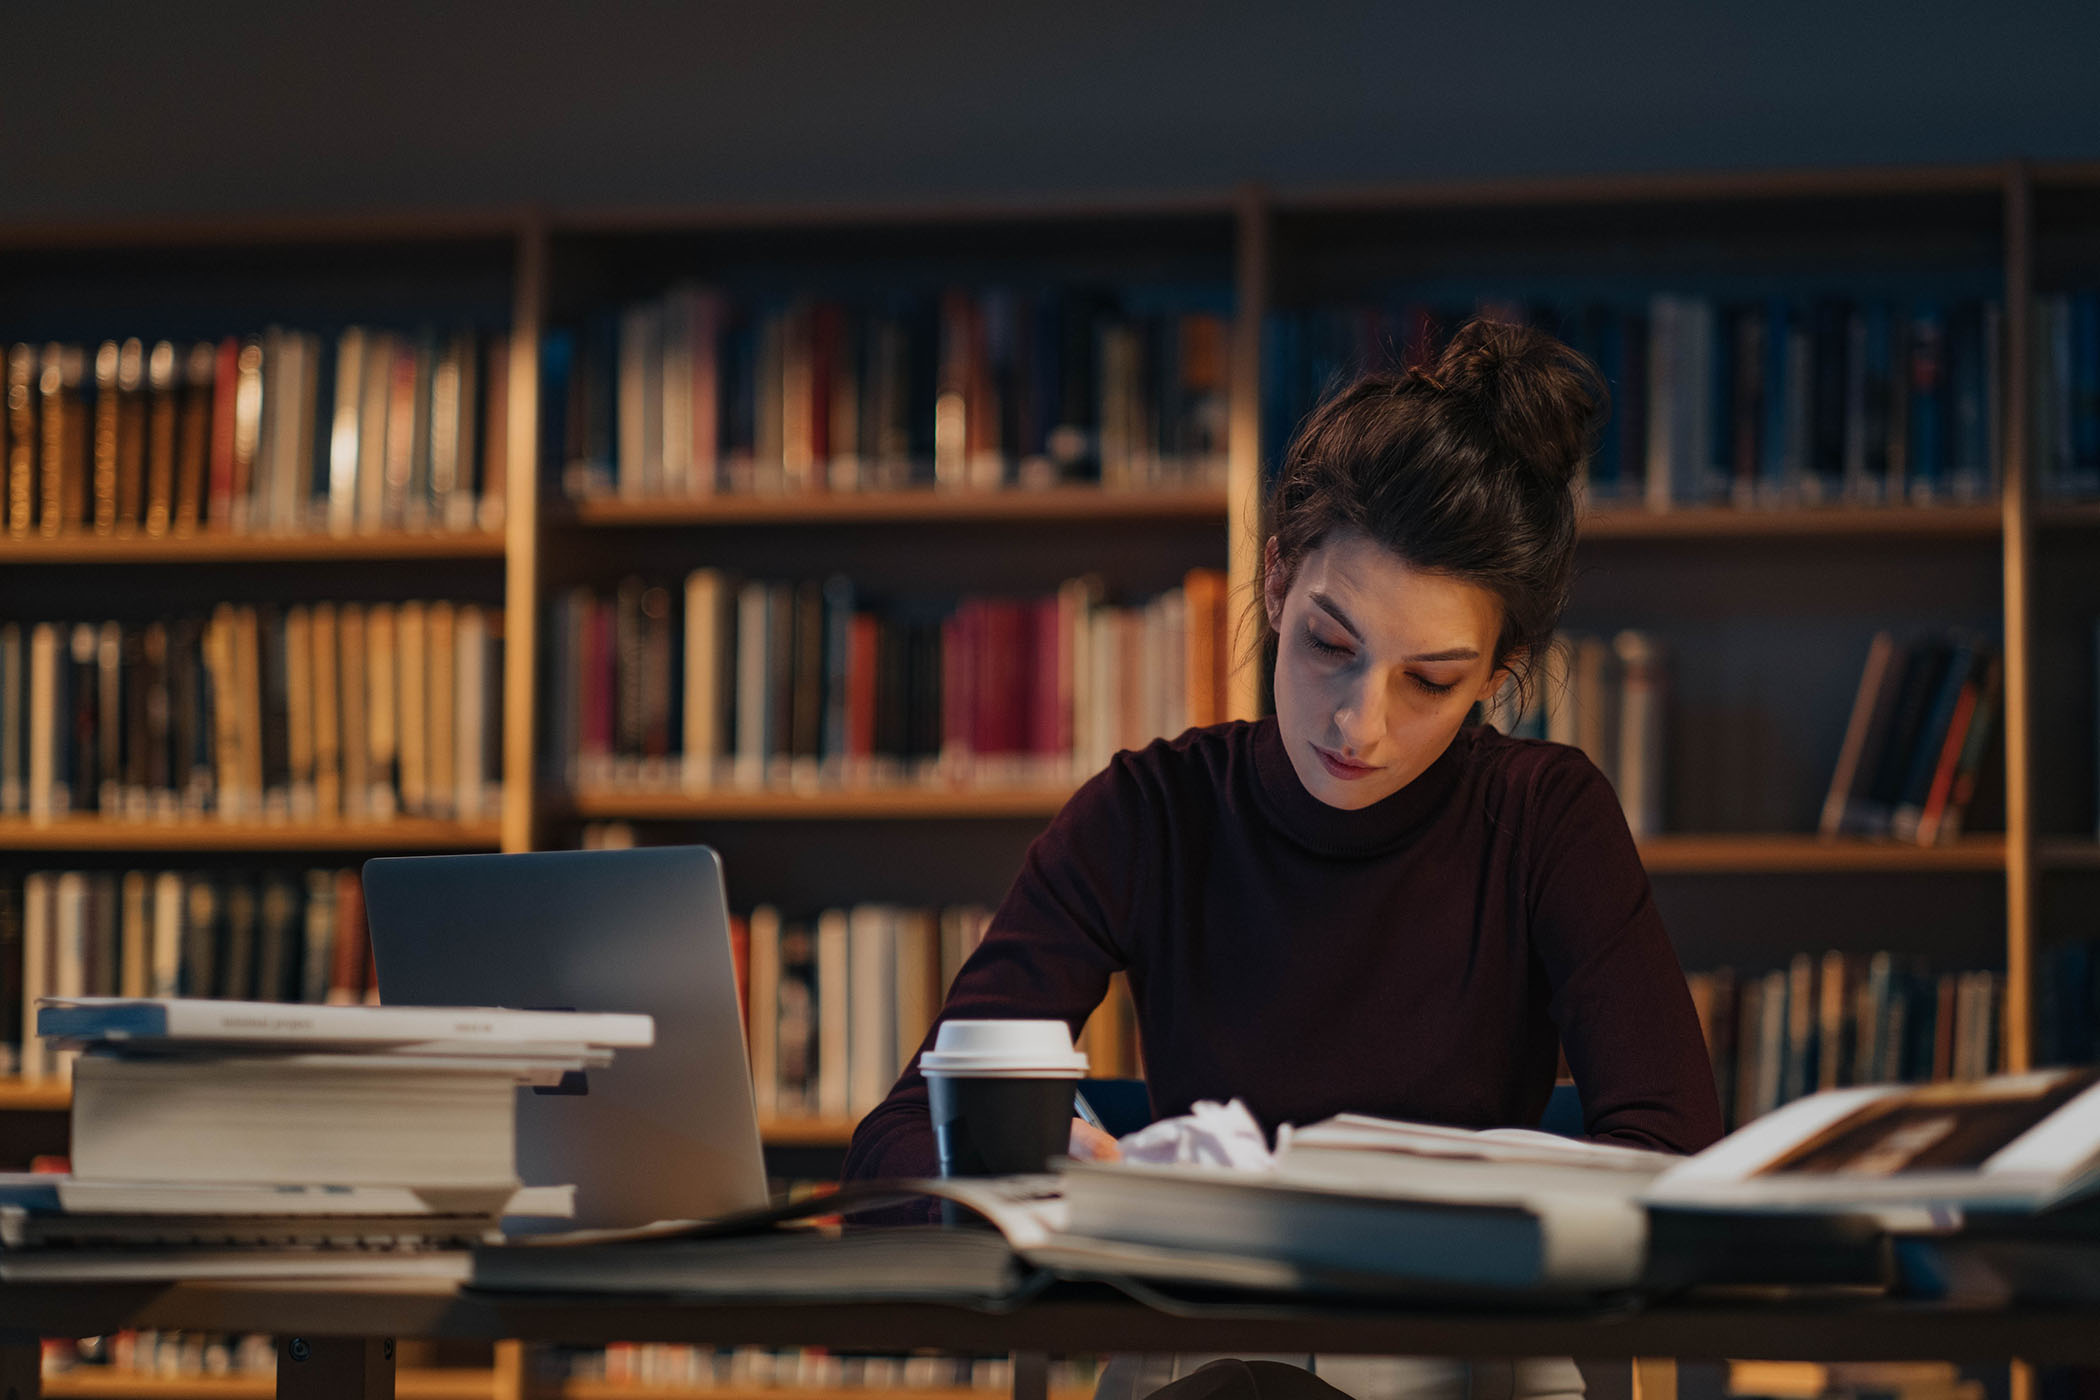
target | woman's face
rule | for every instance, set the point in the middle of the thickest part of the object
(1377, 665)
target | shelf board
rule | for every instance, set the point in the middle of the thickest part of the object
(2068, 853)
(927, 506)
(92, 833)
(2068, 515)
(870, 804)
(1819, 522)
(1789, 854)
(108, 1383)
(18, 1097)
(806, 1132)
(228, 547)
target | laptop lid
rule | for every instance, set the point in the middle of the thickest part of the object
(665, 1133)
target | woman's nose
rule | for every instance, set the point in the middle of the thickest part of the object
(1361, 718)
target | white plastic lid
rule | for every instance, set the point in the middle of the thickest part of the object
(1005, 1050)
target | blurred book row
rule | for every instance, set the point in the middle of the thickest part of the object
(306, 713)
(1779, 402)
(836, 1005)
(1843, 1020)
(279, 936)
(672, 1366)
(1607, 697)
(756, 684)
(285, 431)
(701, 391)
(1921, 725)
(165, 1353)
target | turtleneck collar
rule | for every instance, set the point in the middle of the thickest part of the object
(1334, 831)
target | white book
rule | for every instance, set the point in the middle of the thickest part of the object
(259, 1025)
(13, 689)
(1640, 746)
(638, 343)
(833, 1098)
(233, 1199)
(677, 394)
(350, 358)
(164, 961)
(37, 895)
(871, 1007)
(70, 930)
(375, 395)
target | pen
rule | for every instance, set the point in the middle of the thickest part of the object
(1086, 1110)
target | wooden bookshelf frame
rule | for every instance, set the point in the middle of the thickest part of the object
(1256, 218)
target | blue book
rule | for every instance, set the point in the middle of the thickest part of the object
(2085, 393)
(1778, 476)
(1928, 404)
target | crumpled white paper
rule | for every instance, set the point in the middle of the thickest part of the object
(1209, 1135)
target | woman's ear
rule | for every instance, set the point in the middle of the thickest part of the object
(1492, 686)
(1273, 586)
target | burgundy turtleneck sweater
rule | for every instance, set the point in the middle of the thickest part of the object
(1420, 958)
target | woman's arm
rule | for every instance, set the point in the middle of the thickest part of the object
(1619, 996)
(1048, 954)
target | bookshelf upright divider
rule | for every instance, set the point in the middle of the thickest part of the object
(522, 534)
(2017, 500)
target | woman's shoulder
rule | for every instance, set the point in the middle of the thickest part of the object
(1192, 764)
(1536, 777)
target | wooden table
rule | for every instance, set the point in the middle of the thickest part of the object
(335, 1339)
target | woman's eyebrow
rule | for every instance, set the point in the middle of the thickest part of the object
(1334, 611)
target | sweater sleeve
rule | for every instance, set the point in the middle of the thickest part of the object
(1049, 952)
(1619, 997)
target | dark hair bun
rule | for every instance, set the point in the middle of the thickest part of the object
(1539, 401)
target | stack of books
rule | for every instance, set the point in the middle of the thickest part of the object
(703, 391)
(284, 431)
(244, 1139)
(756, 684)
(328, 712)
(1787, 401)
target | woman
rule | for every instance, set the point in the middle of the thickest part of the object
(1361, 904)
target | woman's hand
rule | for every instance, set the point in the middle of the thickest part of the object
(1091, 1144)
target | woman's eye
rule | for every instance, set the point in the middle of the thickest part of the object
(1432, 687)
(1325, 648)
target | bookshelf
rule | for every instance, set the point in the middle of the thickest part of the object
(1770, 604)
(467, 1383)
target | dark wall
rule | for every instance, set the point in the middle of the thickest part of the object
(135, 109)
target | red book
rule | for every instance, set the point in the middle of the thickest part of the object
(225, 384)
(1049, 716)
(826, 333)
(1949, 759)
(740, 954)
(353, 942)
(1001, 699)
(863, 637)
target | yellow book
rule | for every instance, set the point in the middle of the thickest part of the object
(412, 727)
(327, 716)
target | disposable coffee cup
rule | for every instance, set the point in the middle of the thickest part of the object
(1001, 1094)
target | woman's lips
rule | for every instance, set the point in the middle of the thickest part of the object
(1341, 767)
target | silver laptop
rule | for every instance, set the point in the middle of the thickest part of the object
(665, 1133)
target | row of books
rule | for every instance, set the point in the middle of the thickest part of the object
(671, 1365)
(320, 712)
(1921, 726)
(1607, 697)
(164, 1353)
(241, 936)
(1781, 402)
(703, 391)
(284, 431)
(836, 1004)
(755, 683)
(1843, 1020)
(2067, 395)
